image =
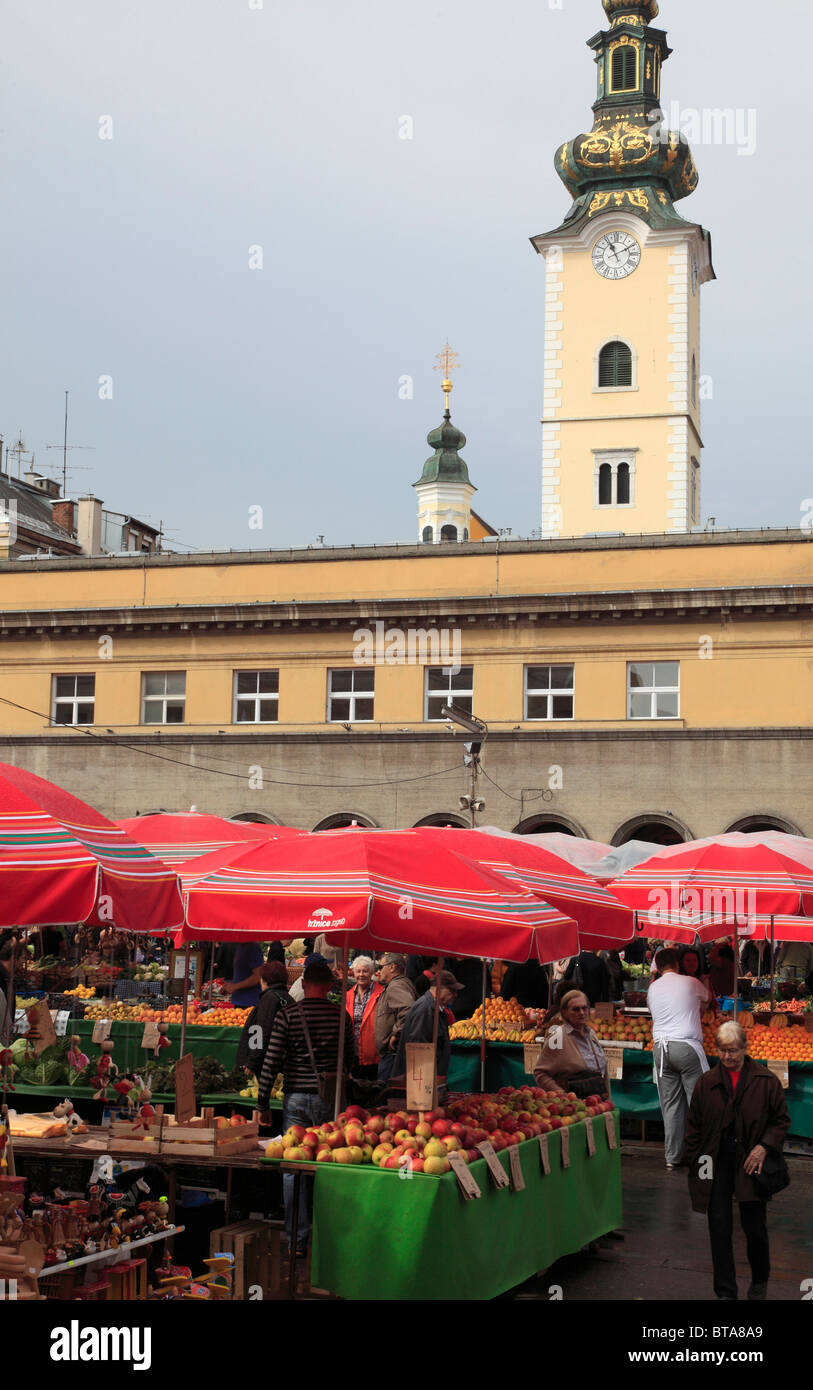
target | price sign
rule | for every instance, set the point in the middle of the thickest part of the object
(605, 1012)
(61, 1022)
(465, 1178)
(41, 1024)
(565, 1137)
(101, 1030)
(515, 1165)
(780, 1068)
(609, 1125)
(615, 1063)
(420, 1075)
(591, 1138)
(150, 1036)
(532, 1051)
(544, 1154)
(493, 1164)
(21, 1024)
(185, 1104)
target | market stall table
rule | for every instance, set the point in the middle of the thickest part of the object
(419, 1239)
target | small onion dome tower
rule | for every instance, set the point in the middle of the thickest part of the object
(444, 490)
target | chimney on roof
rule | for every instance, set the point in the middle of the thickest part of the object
(89, 524)
(63, 513)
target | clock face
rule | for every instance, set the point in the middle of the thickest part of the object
(616, 255)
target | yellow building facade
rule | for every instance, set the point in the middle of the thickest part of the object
(669, 680)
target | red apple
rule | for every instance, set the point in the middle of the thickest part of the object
(440, 1127)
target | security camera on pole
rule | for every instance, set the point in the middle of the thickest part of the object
(471, 758)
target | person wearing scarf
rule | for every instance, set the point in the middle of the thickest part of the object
(737, 1118)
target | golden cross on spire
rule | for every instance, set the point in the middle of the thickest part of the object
(447, 363)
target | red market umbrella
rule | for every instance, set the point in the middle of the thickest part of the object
(177, 837)
(603, 921)
(62, 861)
(723, 877)
(574, 848)
(383, 890)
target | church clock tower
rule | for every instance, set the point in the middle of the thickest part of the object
(621, 441)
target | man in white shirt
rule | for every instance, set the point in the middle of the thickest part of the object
(675, 1002)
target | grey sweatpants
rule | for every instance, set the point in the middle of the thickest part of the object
(681, 1071)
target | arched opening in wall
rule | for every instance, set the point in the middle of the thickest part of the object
(755, 825)
(443, 818)
(427, 535)
(550, 825)
(624, 71)
(656, 829)
(615, 366)
(623, 484)
(345, 820)
(160, 811)
(448, 533)
(605, 485)
(255, 817)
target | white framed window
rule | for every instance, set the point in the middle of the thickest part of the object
(350, 695)
(549, 692)
(653, 690)
(256, 697)
(614, 477)
(163, 697)
(615, 366)
(73, 699)
(442, 686)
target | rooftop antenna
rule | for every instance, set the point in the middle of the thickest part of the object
(18, 451)
(65, 446)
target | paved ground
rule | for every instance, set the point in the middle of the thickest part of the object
(665, 1255)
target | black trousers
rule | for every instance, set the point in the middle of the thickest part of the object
(721, 1229)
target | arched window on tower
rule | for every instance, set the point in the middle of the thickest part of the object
(694, 380)
(625, 68)
(605, 485)
(448, 533)
(623, 484)
(615, 366)
(427, 535)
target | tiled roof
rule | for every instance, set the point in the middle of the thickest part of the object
(33, 511)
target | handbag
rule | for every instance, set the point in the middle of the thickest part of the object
(326, 1081)
(774, 1176)
(586, 1083)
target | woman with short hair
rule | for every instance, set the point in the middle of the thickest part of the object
(737, 1124)
(362, 1001)
(571, 1058)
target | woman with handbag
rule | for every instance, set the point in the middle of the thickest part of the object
(571, 1058)
(735, 1130)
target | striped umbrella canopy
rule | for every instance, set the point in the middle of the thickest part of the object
(602, 920)
(574, 848)
(383, 890)
(177, 836)
(62, 861)
(686, 927)
(726, 876)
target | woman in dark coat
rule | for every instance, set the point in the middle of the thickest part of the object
(256, 1034)
(737, 1114)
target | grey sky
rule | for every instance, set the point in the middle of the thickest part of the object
(234, 127)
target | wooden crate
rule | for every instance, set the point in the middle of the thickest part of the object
(257, 1256)
(198, 1137)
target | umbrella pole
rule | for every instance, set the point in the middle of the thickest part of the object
(772, 955)
(483, 1037)
(185, 997)
(337, 1108)
(735, 953)
(211, 972)
(438, 969)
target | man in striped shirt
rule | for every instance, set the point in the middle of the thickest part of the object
(288, 1053)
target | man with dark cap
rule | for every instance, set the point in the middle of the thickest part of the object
(420, 1021)
(288, 1052)
(391, 1010)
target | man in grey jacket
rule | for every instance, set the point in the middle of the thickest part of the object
(393, 1007)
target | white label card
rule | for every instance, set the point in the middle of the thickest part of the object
(515, 1165)
(565, 1136)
